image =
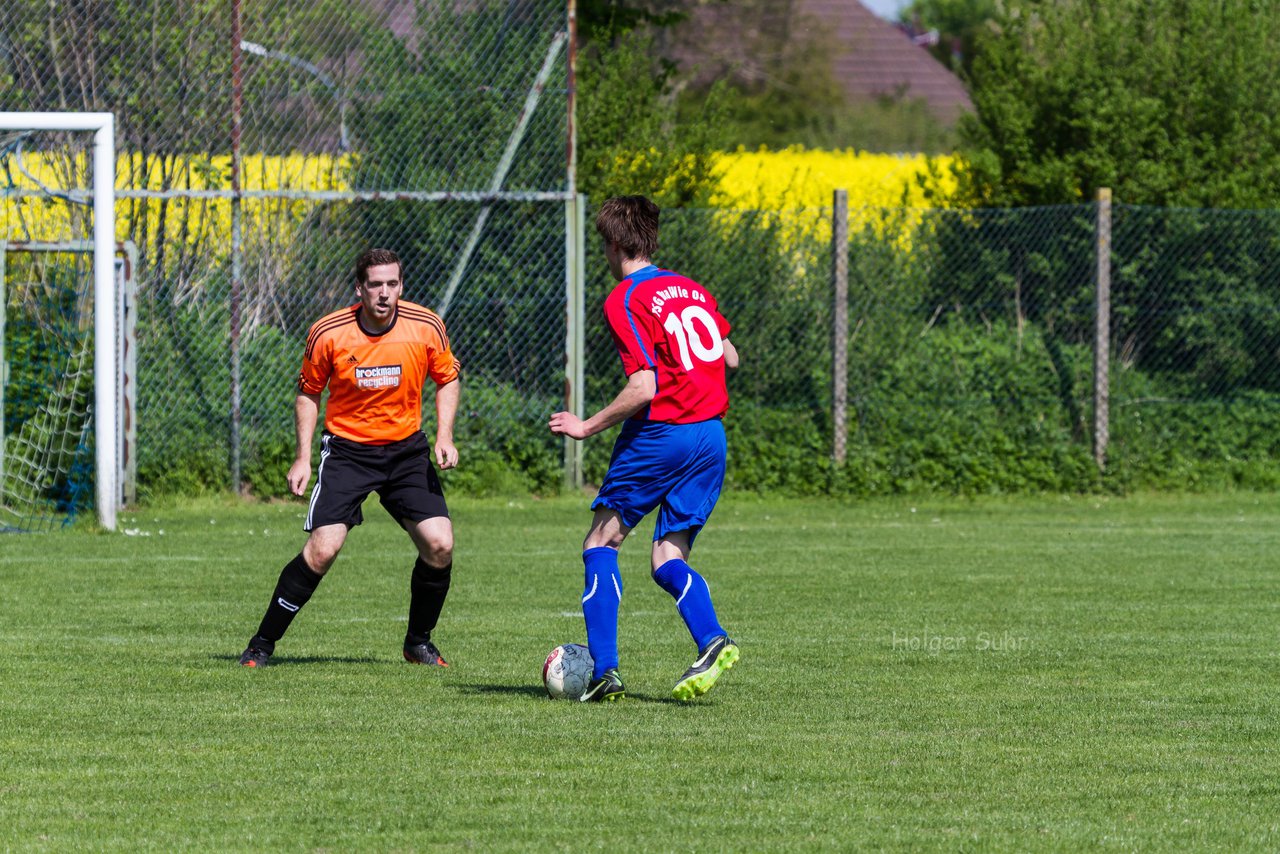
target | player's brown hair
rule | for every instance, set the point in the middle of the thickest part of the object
(630, 222)
(376, 258)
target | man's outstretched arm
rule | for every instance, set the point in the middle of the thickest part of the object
(447, 396)
(306, 412)
(635, 395)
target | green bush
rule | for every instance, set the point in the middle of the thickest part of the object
(970, 364)
(1163, 441)
(967, 410)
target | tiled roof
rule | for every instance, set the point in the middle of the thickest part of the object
(873, 57)
(869, 56)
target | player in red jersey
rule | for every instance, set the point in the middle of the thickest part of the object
(374, 358)
(670, 454)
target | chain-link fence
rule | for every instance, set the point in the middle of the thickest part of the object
(256, 159)
(971, 343)
(262, 146)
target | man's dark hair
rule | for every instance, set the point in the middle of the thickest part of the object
(375, 258)
(630, 222)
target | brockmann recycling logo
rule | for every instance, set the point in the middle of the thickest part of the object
(384, 376)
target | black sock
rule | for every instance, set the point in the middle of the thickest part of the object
(428, 587)
(297, 583)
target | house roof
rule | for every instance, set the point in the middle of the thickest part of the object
(870, 57)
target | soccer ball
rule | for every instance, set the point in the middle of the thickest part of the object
(567, 671)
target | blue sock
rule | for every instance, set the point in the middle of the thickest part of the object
(601, 595)
(693, 599)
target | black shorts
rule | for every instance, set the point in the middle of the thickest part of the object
(400, 472)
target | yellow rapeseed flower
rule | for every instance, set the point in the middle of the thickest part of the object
(795, 184)
(798, 178)
(888, 193)
(185, 219)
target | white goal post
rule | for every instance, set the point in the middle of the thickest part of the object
(105, 370)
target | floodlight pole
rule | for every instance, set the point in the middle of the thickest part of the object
(105, 369)
(344, 139)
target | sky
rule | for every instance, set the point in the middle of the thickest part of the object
(887, 9)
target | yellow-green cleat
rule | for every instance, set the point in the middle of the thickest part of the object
(715, 658)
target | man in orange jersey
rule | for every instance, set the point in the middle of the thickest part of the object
(374, 356)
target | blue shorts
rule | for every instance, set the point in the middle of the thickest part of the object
(678, 467)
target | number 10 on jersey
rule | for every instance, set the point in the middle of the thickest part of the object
(688, 328)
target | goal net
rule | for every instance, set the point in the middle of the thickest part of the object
(61, 337)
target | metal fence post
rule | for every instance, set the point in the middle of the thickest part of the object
(840, 325)
(129, 375)
(237, 247)
(4, 364)
(1102, 332)
(574, 340)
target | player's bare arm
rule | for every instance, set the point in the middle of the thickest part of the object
(306, 411)
(635, 395)
(447, 396)
(730, 355)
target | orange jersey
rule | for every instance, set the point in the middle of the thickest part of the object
(375, 381)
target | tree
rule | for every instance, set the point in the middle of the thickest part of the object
(603, 22)
(774, 64)
(632, 137)
(959, 24)
(1168, 103)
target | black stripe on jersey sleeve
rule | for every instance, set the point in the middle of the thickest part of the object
(324, 327)
(432, 321)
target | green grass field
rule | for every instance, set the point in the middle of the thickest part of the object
(1037, 674)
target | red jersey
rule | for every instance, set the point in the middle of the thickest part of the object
(665, 322)
(375, 381)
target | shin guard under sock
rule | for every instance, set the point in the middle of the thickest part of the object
(601, 596)
(693, 600)
(428, 588)
(293, 590)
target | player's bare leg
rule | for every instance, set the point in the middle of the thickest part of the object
(322, 547)
(607, 530)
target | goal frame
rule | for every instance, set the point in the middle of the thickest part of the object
(106, 405)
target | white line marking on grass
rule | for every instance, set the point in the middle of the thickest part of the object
(578, 614)
(335, 620)
(129, 559)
